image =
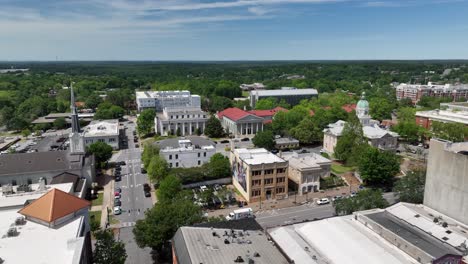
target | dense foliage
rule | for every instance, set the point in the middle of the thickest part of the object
(364, 200)
(102, 152)
(107, 250)
(264, 139)
(410, 188)
(378, 167)
(213, 128)
(145, 122)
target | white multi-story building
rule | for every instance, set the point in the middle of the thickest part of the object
(306, 169)
(186, 152)
(158, 100)
(106, 131)
(253, 86)
(290, 95)
(188, 121)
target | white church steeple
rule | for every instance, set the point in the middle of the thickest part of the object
(76, 137)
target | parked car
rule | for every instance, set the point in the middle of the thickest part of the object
(118, 178)
(245, 139)
(323, 201)
(116, 200)
(203, 188)
(224, 141)
(137, 146)
(117, 210)
(118, 189)
(117, 195)
(337, 197)
(147, 190)
(217, 187)
(118, 168)
(117, 203)
(122, 163)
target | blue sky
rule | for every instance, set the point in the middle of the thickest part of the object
(233, 29)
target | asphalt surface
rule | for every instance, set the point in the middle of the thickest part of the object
(134, 202)
(306, 212)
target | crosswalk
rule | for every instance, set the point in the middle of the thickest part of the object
(126, 224)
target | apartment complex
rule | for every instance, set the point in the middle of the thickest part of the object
(186, 152)
(158, 100)
(258, 174)
(305, 170)
(449, 113)
(290, 95)
(187, 121)
(106, 131)
(416, 91)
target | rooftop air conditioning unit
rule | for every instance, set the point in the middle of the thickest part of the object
(20, 220)
(12, 232)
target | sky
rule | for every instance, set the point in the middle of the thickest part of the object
(160, 30)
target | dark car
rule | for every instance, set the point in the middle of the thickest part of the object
(117, 202)
(122, 163)
(245, 139)
(135, 140)
(118, 178)
(224, 141)
(147, 190)
(118, 189)
(117, 172)
(137, 146)
(118, 168)
(216, 202)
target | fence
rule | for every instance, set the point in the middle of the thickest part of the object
(210, 182)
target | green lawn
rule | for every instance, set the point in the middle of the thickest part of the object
(245, 94)
(98, 200)
(95, 216)
(339, 169)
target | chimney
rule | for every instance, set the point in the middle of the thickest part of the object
(42, 184)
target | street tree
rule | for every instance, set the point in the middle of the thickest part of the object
(162, 221)
(102, 152)
(455, 132)
(218, 167)
(378, 167)
(213, 128)
(169, 188)
(157, 169)
(410, 188)
(364, 200)
(351, 142)
(145, 122)
(305, 131)
(107, 250)
(93, 101)
(149, 151)
(266, 104)
(264, 139)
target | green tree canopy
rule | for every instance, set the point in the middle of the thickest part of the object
(306, 131)
(149, 151)
(145, 122)
(162, 221)
(266, 104)
(454, 132)
(157, 169)
(218, 167)
(213, 128)
(264, 139)
(410, 188)
(378, 167)
(60, 123)
(107, 250)
(380, 108)
(102, 152)
(169, 188)
(351, 143)
(364, 200)
(93, 101)
(107, 110)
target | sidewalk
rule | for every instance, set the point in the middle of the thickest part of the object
(107, 201)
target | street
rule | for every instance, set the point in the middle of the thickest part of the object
(307, 212)
(134, 202)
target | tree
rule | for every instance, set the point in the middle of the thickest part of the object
(266, 104)
(93, 101)
(364, 200)
(102, 152)
(351, 143)
(60, 123)
(455, 132)
(107, 250)
(380, 108)
(107, 110)
(162, 221)
(218, 103)
(25, 132)
(149, 151)
(410, 131)
(218, 167)
(410, 188)
(305, 132)
(213, 128)
(145, 122)
(169, 188)
(264, 139)
(157, 169)
(378, 167)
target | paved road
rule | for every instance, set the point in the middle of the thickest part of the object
(297, 214)
(134, 202)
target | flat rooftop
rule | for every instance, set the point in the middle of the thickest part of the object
(257, 156)
(285, 92)
(305, 160)
(102, 128)
(445, 116)
(174, 143)
(18, 199)
(37, 243)
(209, 246)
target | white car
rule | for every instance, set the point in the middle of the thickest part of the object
(117, 210)
(323, 201)
(203, 188)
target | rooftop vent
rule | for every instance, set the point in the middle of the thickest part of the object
(226, 241)
(12, 232)
(445, 238)
(20, 220)
(239, 259)
(256, 254)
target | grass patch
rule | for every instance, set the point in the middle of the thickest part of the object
(339, 169)
(98, 200)
(245, 94)
(95, 220)
(331, 182)
(113, 220)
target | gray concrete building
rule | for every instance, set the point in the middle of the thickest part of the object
(447, 179)
(158, 100)
(188, 121)
(291, 95)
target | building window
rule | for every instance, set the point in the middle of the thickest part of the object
(101, 140)
(198, 154)
(111, 139)
(256, 173)
(256, 193)
(199, 162)
(182, 116)
(256, 182)
(268, 181)
(280, 190)
(177, 164)
(280, 179)
(176, 156)
(268, 172)
(170, 157)
(204, 154)
(13, 182)
(177, 117)
(281, 170)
